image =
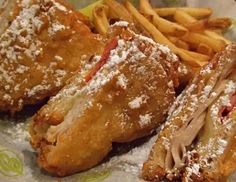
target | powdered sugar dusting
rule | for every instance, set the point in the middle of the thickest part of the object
(19, 132)
(59, 6)
(223, 101)
(230, 87)
(208, 88)
(120, 23)
(127, 55)
(137, 102)
(21, 45)
(56, 26)
(222, 145)
(23, 22)
(125, 49)
(122, 81)
(221, 131)
(145, 119)
(115, 59)
(132, 161)
(194, 169)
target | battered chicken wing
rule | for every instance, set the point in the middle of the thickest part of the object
(200, 127)
(45, 43)
(122, 97)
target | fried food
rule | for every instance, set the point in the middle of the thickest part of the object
(186, 56)
(45, 43)
(195, 12)
(213, 153)
(88, 10)
(197, 38)
(205, 49)
(178, 42)
(201, 25)
(165, 26)
(189, 32)
(124, 96)
(100, 19)
(216, 36)
(118, 11)
(214, 23)
(209, 103)
(183, 18)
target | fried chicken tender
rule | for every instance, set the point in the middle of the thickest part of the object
(200, 127)
(124, 96)
(45, 43)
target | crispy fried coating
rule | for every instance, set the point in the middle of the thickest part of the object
(45, 43)
(57, 108)
(227, 162)
(126, 99)
(185, 152)
(214, 150)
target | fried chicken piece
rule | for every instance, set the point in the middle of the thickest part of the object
(124, 96)
(45, 43)
(169, 158)
(55, 110)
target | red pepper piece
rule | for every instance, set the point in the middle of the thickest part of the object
(224, 112)
(106, 53)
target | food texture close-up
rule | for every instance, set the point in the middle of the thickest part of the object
(108, 90)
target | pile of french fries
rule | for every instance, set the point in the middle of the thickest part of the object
(189, 32)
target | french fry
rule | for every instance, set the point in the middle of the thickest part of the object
(215, 23)
(204, 49)
(197, 38)
(154, 32)
(197, 26)
(88, 10)
(195, 12)
(182, 44)
(162, 24)
(117, 10)
(183, 18)
(172, 39)
(159, 37)
(216, 36)
(201, 57)
(192, 58)
(100, 19)
(193, 24)
(219, 23)
(178, 42)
